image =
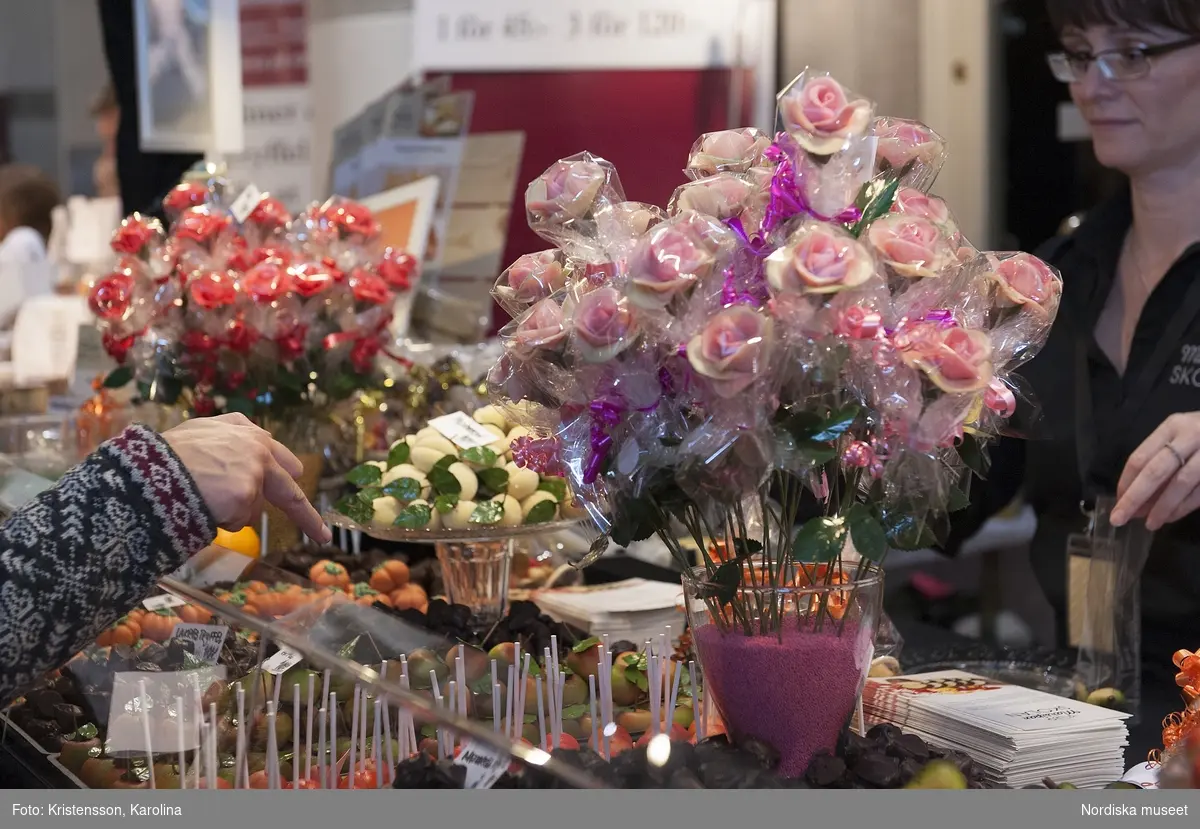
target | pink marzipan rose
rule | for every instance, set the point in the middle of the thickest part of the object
(668, 261)
(912, 202)
(1029, 282)
(900, 141)
(603, 325)
(727, 151)
(722, 196)
(541, 329)
(820, 116)
(912, 246)
(565, 191)
(536, 276)
(819, 260)
(957, 360)
(732, 350)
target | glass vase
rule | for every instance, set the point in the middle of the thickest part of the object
(476, 574)
(785, 664)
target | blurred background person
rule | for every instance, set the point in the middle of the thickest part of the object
(106, 114)
(27, 201)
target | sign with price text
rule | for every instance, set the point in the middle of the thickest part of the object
(511, 35)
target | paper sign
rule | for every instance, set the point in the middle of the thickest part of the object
(163, 602)
(244, 204)
(206, 640)
(484, 764)
(284, 659)
(462, 431)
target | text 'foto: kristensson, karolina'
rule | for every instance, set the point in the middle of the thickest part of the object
(87, 810)
(1125, 810)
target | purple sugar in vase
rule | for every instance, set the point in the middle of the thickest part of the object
(783, 668)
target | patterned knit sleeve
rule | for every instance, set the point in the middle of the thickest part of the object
(85, 552)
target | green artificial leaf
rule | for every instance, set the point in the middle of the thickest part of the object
(643, 682)
(529, 719)
(642, 662)
(837, 424)
(555, 486)
(542, 512)
(446, 462)
(820, 540)
(535, 670)
(867, 533)
(365, 475)
(479, 456)
(815, 453)
(959, 499)
(728, 578)
(493, 479)
(355, 509)
(429, 732)
(240, 405)
(404, 489)
(118, 377)
(368, 495)
(586, 645)
(802, 425)
(414, 517)
(970, 450)
(444, 482)
(445, 504)
(84, 732)
(483, 685)
(905, 531)
(634, 520)
(487, 513)
(747, 547)
(878, 207)
(574, 712)
(346, 651)
(398, 454)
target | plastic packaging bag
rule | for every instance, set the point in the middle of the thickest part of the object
(1104, 578)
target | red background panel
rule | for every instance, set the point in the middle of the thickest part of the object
(644, 122)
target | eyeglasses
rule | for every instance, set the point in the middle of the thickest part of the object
(1126, 64)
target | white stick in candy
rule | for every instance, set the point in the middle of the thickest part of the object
(460, 673)
(356, 542)
(437, 689)
(441, 736)
(595, 744)
(606, 700)
(331, 767)
(524, 691)
(353, 737)
(264, 534)
(362, 730)
(670, 716)
(179, 735)
(212, 746)
(562, 685)
(409, 724)
(273, 781)
(496, 717)
(321, 747)
(452, 706)
(377, 732)
(511, 699)
(389, 748)
(308, 731)
(296, 735)
(541, 715)
(551, 682)
(144, 705)
(325, 689)
(239, 751)
(696, 713)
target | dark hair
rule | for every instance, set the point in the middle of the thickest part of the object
(105, 102)
(27, 198)
(1179, 15)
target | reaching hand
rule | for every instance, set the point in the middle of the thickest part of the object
(237, 466)
(1161, 481)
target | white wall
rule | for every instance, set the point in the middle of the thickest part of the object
(27, 73)
(80, 73)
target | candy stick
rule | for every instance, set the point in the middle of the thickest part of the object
(377, 730)
(353, 738)
(452, 705)
(308, 733)
(551, 684)
(296, 735)
(670, 715)
(390, 750)
(562, 687)
(278, 687)
(541, 714)
(496, 707)
(212, 746)
(356, 542)
(524, 689)
(331, 770)
(239, 751)
(362, 731)
(460, 673)
(411, 728)
(325, 689)
(437, 690)
(655, 689)
(697, 714)
(321, 748)
(272, 750)
(595, 745)
(144, 705)
(554, 669)
(264, 524)
(179, 734)
(511, 698)
(441, 737)
(606, 698)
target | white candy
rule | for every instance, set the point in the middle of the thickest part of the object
(436, 441)
(521, 482)
(533, 500)
(466, 480)
(512, 511)
(460, 517)
(517, 432)
(380, 465)
(435, 519)
(425, 458)
(500, 447)
(491, 415)
(386, 510)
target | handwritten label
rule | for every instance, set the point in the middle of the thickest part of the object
(484, 764)
(163, 602)
(244, 204)
(205, 641)
(283, 660)
(462, 431)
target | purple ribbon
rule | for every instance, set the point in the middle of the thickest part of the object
(605, 415)
(942, 316)
(787, 198)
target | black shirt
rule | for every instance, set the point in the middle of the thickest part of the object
(1075, 452)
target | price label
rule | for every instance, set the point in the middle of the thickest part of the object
(283, 660)
(163, 602)
(205, 641)
(461, 430)
(244, 204)
(484, 764)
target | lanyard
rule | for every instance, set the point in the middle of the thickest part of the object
(1085, 429)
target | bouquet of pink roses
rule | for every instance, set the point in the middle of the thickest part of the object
(240, 306)
(803, 320)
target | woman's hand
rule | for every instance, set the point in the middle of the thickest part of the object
(1161, 480)
(237, 466)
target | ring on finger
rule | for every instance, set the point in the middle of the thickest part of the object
(1182, 460)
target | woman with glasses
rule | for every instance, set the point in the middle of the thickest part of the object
(1119, 379)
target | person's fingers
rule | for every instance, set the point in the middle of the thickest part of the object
(285, 458)
(1151, 477)
(1189, 505)
(1144, 454)
(1182, 484)
(280, 489)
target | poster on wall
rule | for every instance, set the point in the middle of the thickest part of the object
(276, 101)
(188, 72)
